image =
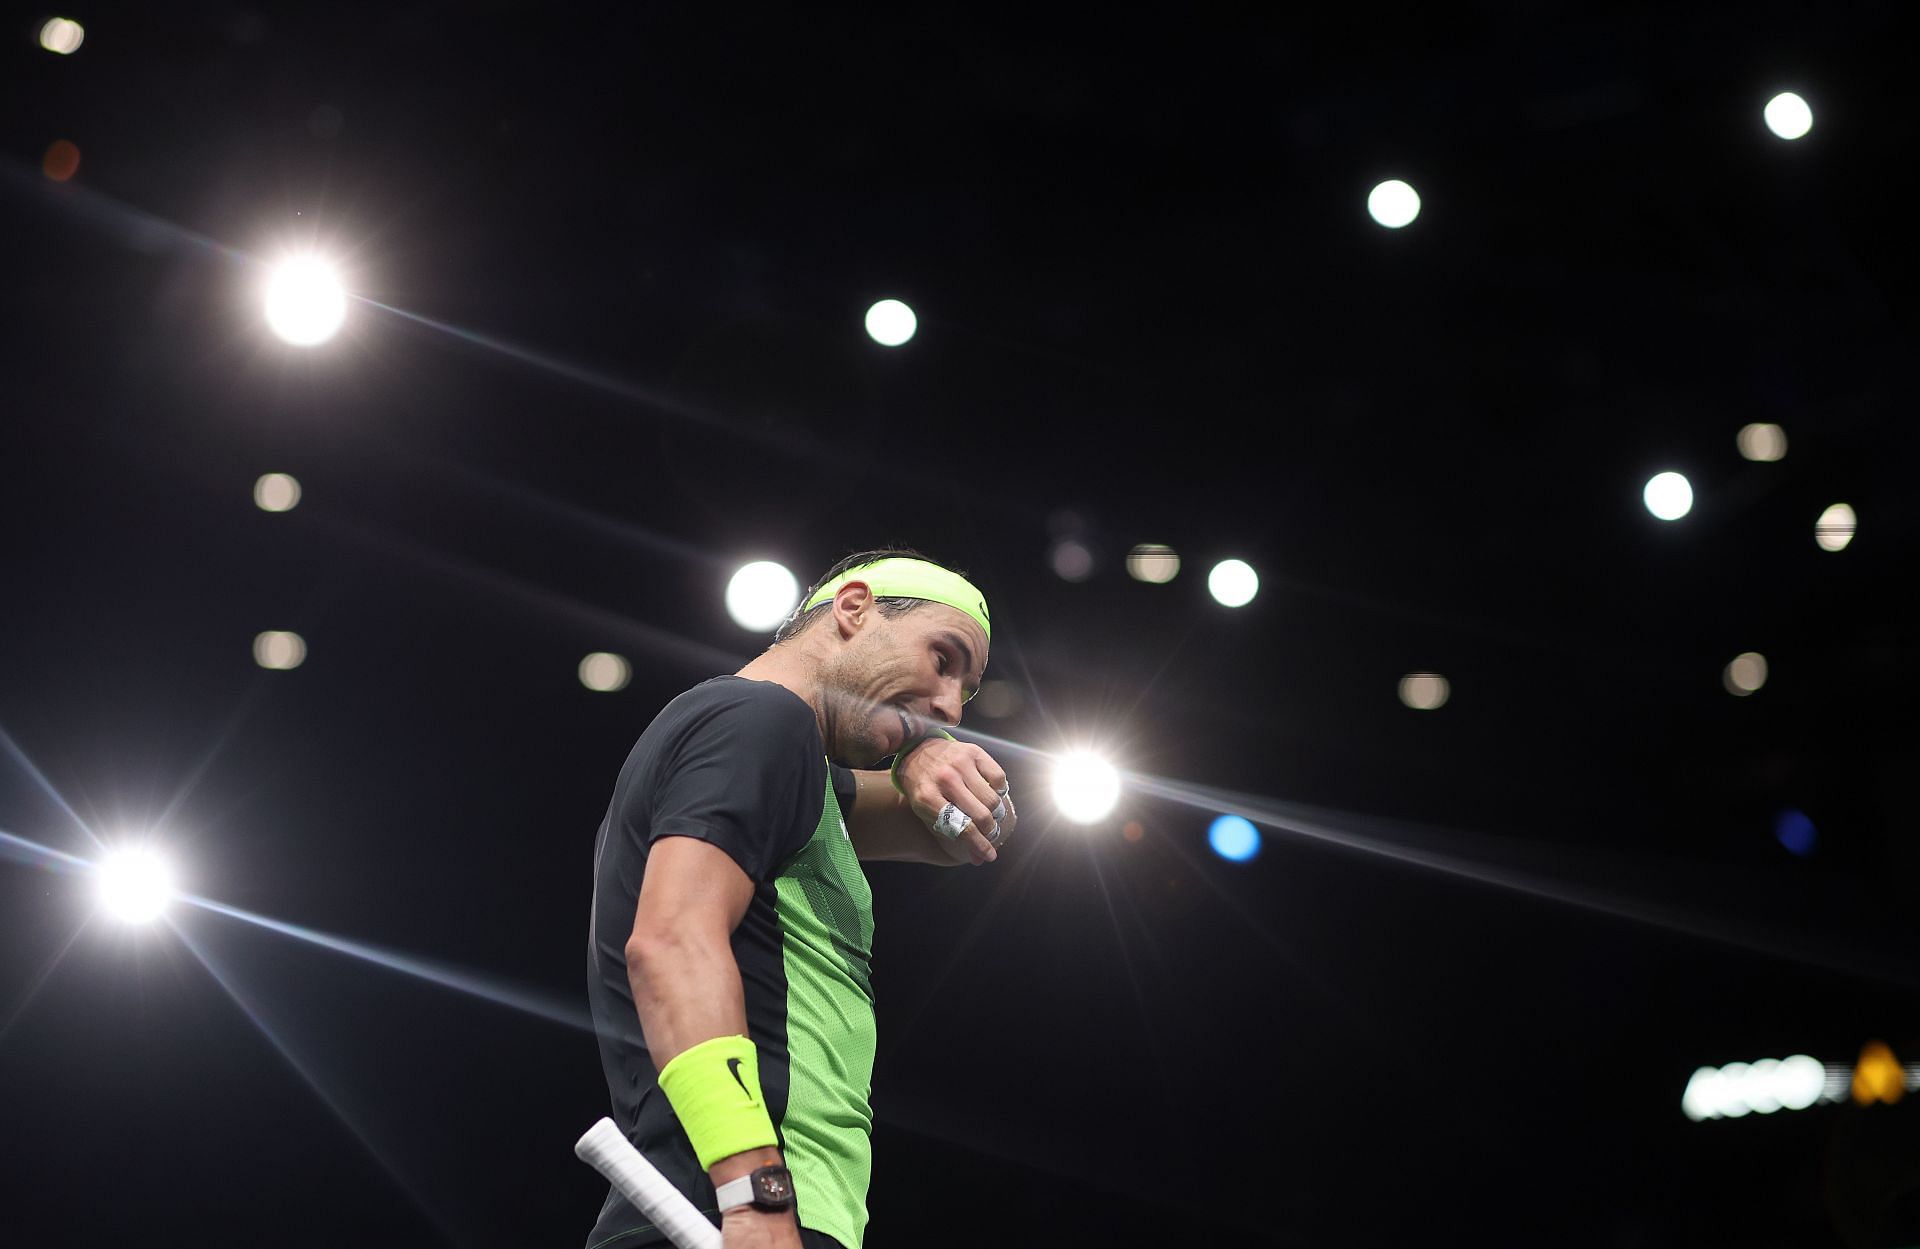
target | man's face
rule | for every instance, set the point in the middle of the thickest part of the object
(895, 679)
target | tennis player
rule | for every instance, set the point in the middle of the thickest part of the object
(732, 926)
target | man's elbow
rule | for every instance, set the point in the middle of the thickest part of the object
(646, 947)
(653, 945)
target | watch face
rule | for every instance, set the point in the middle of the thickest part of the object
(772, 1186)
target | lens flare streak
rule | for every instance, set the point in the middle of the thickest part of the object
(20, 850)
(332, 1103)
(447, 977)
(46, 786)
(1343, 829)
(40, 981)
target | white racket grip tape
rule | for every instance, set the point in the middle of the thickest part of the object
(606, 1149)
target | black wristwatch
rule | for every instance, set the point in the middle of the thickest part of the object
(767, 1188)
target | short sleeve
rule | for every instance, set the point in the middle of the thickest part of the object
(845, 787)
(746, 776)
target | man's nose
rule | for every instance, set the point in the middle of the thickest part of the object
(946, 706)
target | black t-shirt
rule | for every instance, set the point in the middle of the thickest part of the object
(740, 764)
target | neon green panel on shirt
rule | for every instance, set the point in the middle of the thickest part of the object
(826, 923)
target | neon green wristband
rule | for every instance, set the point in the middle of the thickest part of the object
(908, 749)
(714, 1089)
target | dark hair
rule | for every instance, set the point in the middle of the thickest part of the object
(889, 607)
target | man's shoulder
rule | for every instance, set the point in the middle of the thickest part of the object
(725, 692)
(740, 711)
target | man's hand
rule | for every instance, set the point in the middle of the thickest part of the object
(938, 772)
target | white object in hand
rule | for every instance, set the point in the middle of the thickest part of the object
(606, 1149)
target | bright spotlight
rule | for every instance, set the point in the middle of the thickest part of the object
(1393, 204)
(62, 35)
(1233, 837)
(279, 650)
(1668, 496)
(605, 672)
(1233, 583)
(1153, 564)
(760, 595)
(1788, 115)
(1424, 691)
(1085, 788)
(306, 305)
(1834, 530)
(891, 323)
(276, 492)
(1745, 673)
(1762, 442)
(135, 885)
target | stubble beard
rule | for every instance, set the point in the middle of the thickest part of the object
(849, 714)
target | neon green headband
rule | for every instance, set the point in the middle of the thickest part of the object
(901, 577)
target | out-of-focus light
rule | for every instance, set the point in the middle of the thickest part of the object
(1393, 204)
(1153, 564)
(62, 35)
(1793, 829)
(1085, 787)
(306, 305)
(891, 323)
(1745, 673)
(135, 885)
(1733, 1100)
(1762, 1087)
(1834, 530)
(1071, 560)
(1878, 1075)
(276, 492)
(998, 698)
(1424, 691)
(605, 671)
(1702, 1098)
(760, 596)
(1132, 830)
(1788, 115)
(1668, 496)
(1762, 442)
(1233, 837)
(61, 162)
(1233, 583)
(1799, 1080)
(279, 650)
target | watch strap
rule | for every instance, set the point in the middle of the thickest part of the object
(737, 1192)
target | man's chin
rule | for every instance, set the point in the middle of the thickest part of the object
(863, 764)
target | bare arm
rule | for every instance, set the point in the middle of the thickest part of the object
(680, 965)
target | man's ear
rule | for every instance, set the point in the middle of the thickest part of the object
(854, 600)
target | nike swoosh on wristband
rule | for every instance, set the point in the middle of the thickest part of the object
(733, 1066)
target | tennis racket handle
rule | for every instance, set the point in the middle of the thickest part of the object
(606, 1149)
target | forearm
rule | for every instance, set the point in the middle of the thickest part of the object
(882, 825)
(686, 990)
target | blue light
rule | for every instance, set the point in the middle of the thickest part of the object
(1234, 837)
(1795, 831)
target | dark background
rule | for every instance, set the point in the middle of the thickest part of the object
(1153, 309)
